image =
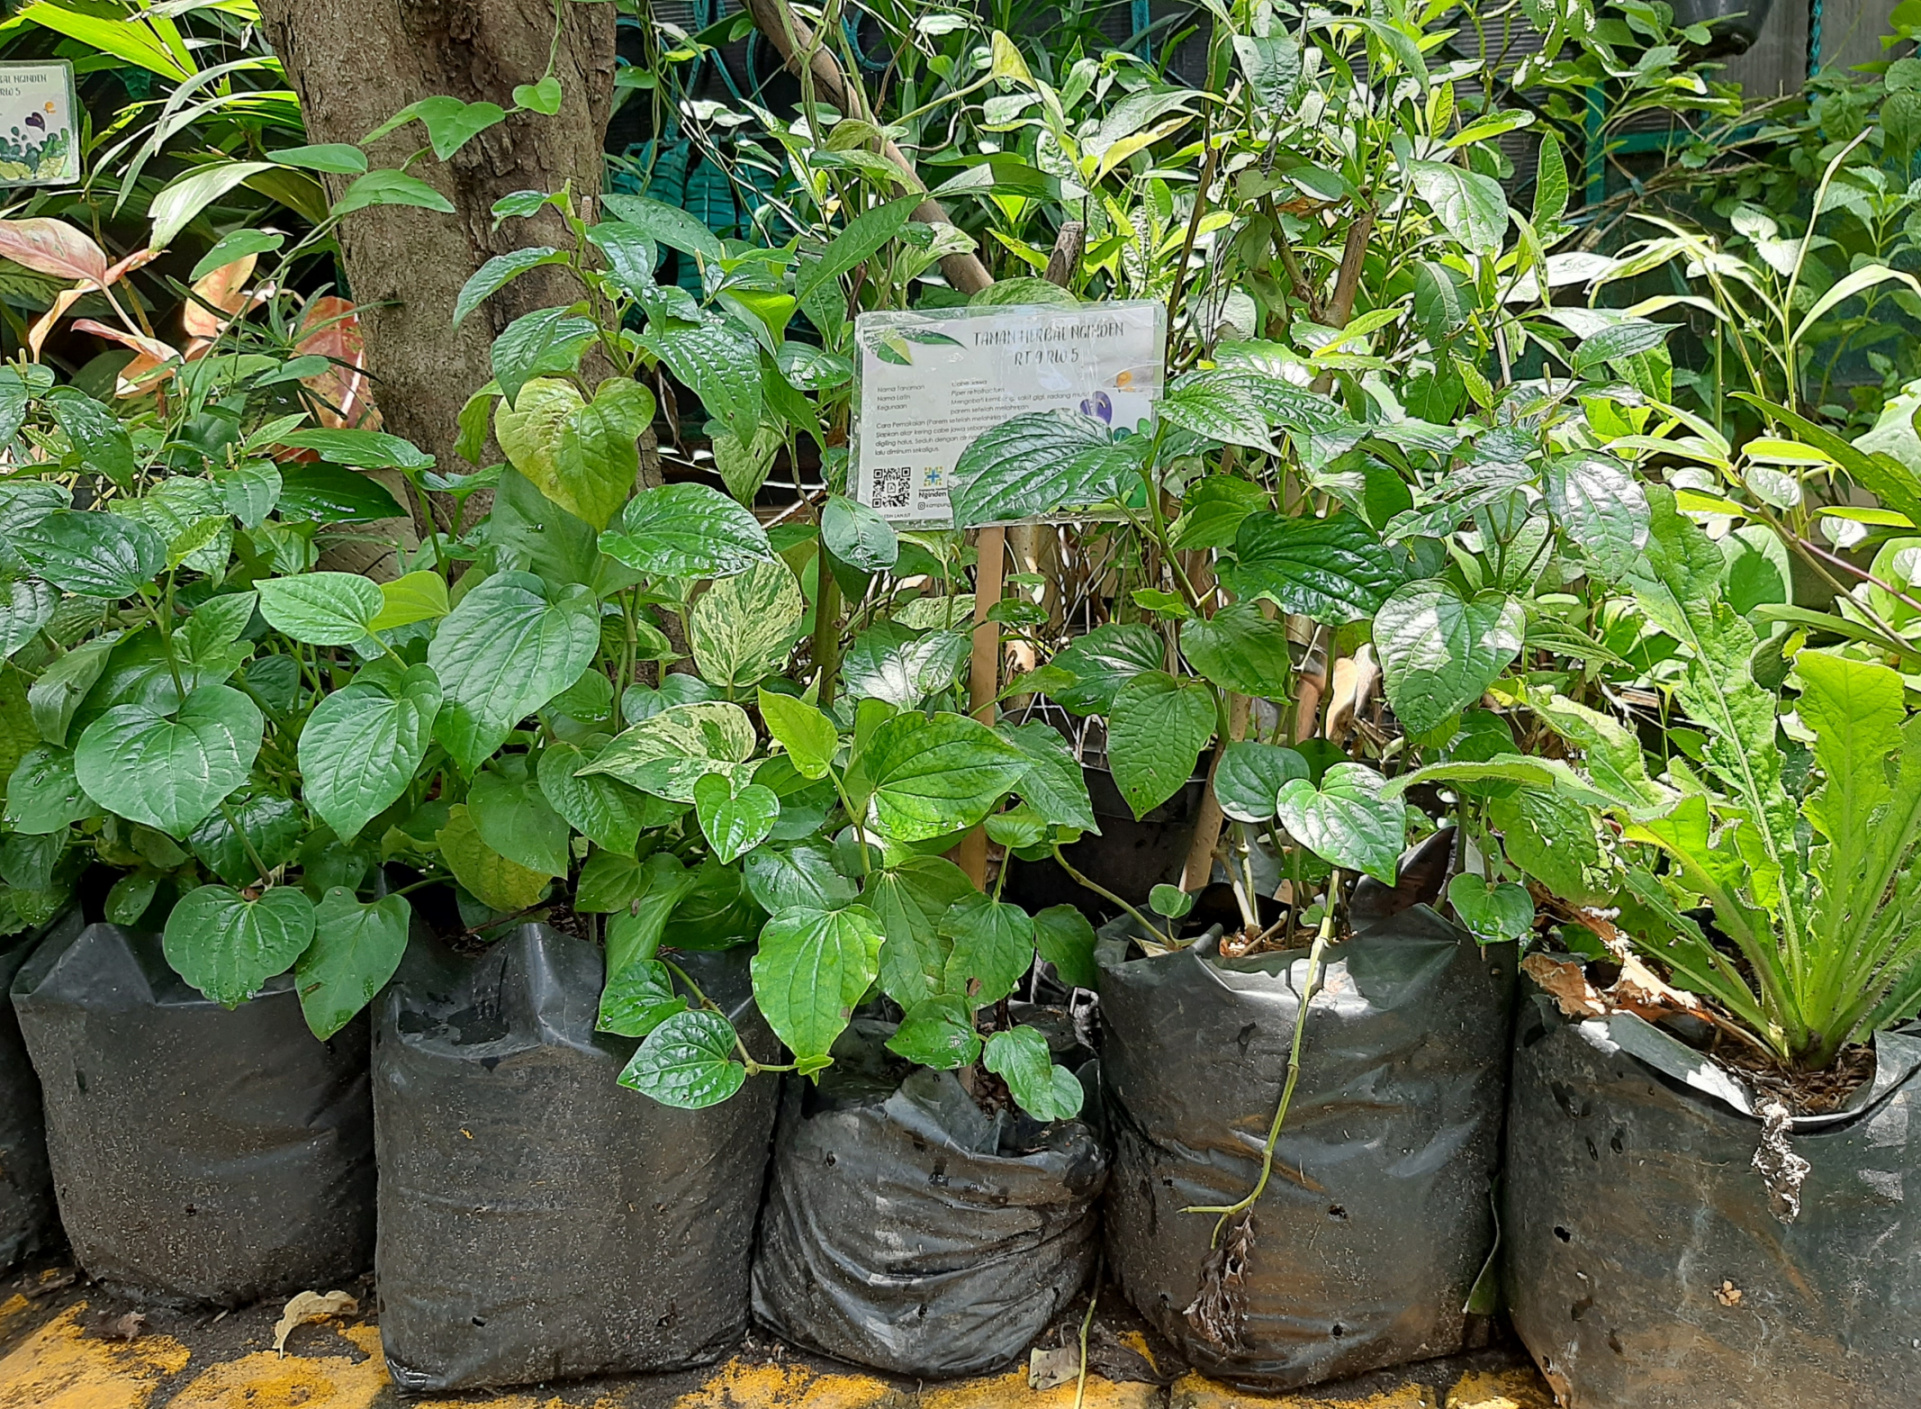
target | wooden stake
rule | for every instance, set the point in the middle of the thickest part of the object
(990, 570)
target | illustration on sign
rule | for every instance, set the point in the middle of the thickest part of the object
(930, 382)
(38, 143)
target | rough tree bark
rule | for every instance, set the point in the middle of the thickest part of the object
(354, 64)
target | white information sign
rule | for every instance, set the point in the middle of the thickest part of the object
(930, 382)
(38, 144)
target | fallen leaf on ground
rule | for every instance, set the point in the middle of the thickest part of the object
(129, 1327)
(1565, 981)
(311, 1306)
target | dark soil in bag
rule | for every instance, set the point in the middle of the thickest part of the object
(27, 1215)
(909, 1231)
(539, 1221)
(199, 1155)
(1378, 1220)
(1646, 1265)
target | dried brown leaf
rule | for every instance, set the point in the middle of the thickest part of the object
(311, 1306)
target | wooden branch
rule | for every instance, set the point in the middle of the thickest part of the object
(792, 38)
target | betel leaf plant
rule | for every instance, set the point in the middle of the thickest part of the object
(821, 847)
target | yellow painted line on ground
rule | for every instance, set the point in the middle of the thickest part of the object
(1012, 1388)
(60, 1366)
(264, 1380)
(1505, 1389)
(1193, 1391)
(740, 1384)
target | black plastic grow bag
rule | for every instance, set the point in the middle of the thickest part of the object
(1644, 1264)
(26, 1181)
(1378, 1219)
(907, 1230)
(538, 1221)
(199, 1155)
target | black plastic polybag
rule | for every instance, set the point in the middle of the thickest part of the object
(1645, 1266)
(199, 1155)
(1378, 1218)
(907, 1230)
(538, 1221)
(26, 1181)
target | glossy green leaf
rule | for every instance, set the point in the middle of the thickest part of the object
(1472, 207)
(799, 874)
(497, 273)
(1066, 940)
(686, 530)
(597, 462)
(412, 597)
(810, 737)
(1102, 661)
(991, 948)
(228, 946)
(321, 608)
(810, 970)
(513, 817)
(356, 948)
(937, 1033)
(363, 744)
(92, 554)
(667, 224)
(1240, 650)
(1250, 776)
(1440, 651)
(1054, 785)
(1600, 508)
(509, 647)
(860, 240)
(170, 772)
(547, 340)
(857, 535)
(1335, 570)
(721, 366)
(1040, 463)
(638, 999)
(95, 433)
(1346, 821)
(910, 900)
(687, 1062)
(44, 795)
(26, 607)
(735, 815)
(1494, 913)
(387, 187)
(937, 774)
(259, 824)
(1155, 736)
(604, 810)
(1019, 1056)
(892, 662)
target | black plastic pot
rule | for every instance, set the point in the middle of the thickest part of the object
(1735, 24)
(27, 1214)
(1646, 1265)
(538, 1221)
(199, 1155)
(1378, 1219)
(908, 1231)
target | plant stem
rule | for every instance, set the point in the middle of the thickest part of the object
(754, 1068)
(1107, 894)
(1316, 957)
(1087, 1322)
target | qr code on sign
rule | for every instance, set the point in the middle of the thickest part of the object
(892, 485)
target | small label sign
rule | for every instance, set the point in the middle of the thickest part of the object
(39, 145)
(930, 382)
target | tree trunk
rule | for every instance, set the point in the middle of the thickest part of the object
(354, 64)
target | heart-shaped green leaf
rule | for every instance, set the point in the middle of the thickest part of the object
(810, 737)
(509, 647)
(1054, 785)
(92, 554)
(686, 531)
(638, 999)
(170, 772)
(1240, 650)
(1440, 650)
(934, 774)
(810, 970)
(490, 877)
(1066, 940)
(362, 744)
(228, 946)
(742, 626)
(735, 815)
(44, 795)
(1494, 913)
(1019, 1056)
(514, 817)
(668, 752)
(1335, 570)
(910, 899)
(937, 1033)
(355, 950)
(1346, 821)
(687, 1062)
(1155, 736)
(321, 608)
(1250, 776)
(26, 605)
(604, 810)
(992, 948)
